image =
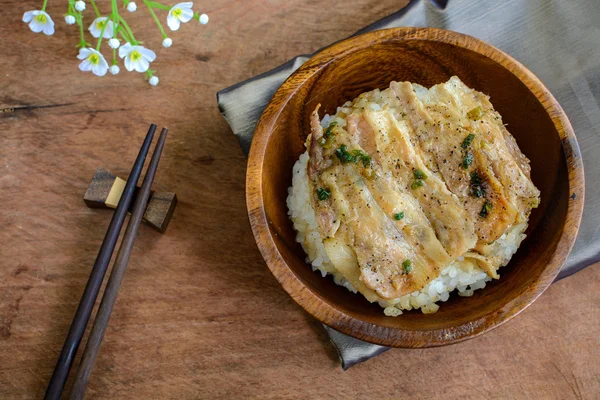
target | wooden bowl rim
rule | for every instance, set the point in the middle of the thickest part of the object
(328, 314)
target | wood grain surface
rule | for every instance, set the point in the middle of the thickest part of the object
(199, 315)
(426, 56)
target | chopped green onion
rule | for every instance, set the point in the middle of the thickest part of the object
(468, 140)
(357, 155)
(475, 178)
(407, 265)
(486, 209)
(329, 130)
(475, 113)
(327, 138)
(344, 156)
(419, 174)
(477, 190)
(417, 184)
(467, 160)
(323, 194)
(399, 216)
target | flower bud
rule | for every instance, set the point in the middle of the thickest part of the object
(114, 43)
(80, 5)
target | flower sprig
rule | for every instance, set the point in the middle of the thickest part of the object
(112, 29)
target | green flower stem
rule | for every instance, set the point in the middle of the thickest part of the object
(154, 4)
(123, 34)
(119, 29)
(44, 5)
(114, 60)
(79, 19)
(95, 8)
(130, 34)
(101, 35)
(114, 16)
(162, 30)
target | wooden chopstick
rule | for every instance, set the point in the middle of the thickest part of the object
(116, 277)
(88, 299)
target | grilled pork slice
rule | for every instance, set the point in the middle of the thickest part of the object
(402, 190)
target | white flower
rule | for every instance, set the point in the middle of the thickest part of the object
(181, 12)
(39, 21)
(153, 81)
(115, 69)
(167, 42)
(136, 57)
(114, 43)
(92, 61)
(70, 20)
(131, 6)
(203, 19)
(96, 28)
(80, 6)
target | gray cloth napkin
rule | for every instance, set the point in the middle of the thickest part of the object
(558, 40)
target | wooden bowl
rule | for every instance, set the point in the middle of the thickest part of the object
(425, 56)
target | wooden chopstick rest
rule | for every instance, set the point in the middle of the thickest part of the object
(105, 189)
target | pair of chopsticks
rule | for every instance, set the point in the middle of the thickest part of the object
(88, 299)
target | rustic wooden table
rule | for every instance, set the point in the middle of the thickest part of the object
(199, 314)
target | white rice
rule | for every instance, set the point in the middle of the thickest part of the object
(463, 275)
